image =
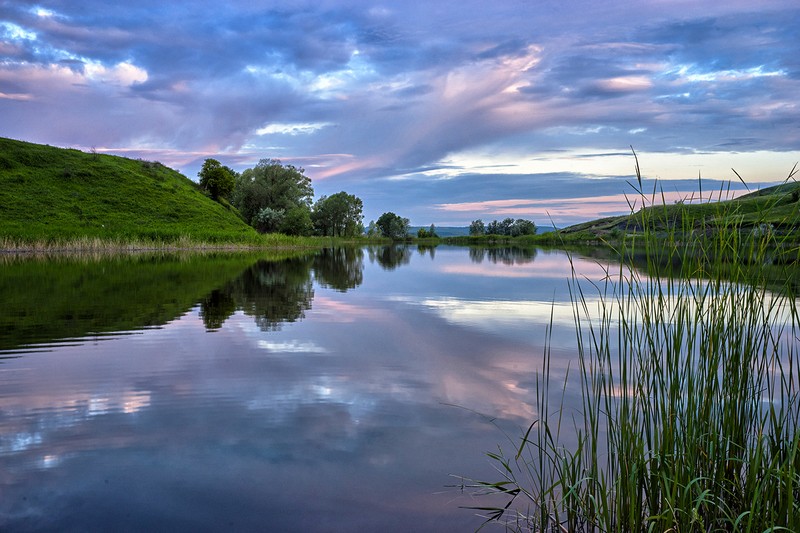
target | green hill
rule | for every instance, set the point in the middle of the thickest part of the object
(775, 209)
(49, 194)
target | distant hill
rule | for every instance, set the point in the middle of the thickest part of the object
(776, 208)
(56, 193)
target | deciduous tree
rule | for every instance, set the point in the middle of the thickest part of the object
(273, 185)
(338, 215)
(508, 227)
(216, 178)
(477, 227)
(393, 226)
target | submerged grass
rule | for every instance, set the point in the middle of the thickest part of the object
(689, 382)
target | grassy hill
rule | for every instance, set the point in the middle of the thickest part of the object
(775, 209)
(52, 194)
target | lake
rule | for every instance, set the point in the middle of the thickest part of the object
(338, 391)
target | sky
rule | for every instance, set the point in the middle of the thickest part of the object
(441, 111)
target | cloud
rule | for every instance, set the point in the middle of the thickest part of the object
(368, 93)
(301, 128)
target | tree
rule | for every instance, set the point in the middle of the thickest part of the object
(297, 221)
(477, 227)
(504, 227)
(268, 220)
(522, 227)
(430, 233)
(338, 215)
(273, 185)
(217, 179)
(508, 227)
(393, 226)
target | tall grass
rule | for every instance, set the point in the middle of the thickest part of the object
(689, 382)
(115, 245)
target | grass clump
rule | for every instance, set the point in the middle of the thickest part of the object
(688, 378)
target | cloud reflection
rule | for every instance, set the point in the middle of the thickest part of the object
(184, 424)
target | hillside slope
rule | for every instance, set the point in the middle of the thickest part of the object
(51, 193)
(776, 207)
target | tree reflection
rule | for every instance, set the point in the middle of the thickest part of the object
(339, 268)
(390, 257)
(216, 308)
(507, 255)
(422, 249)
(275, 292)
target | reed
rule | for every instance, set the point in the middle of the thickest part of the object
(115, 245)
(689, 381)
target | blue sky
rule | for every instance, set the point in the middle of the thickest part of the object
(440, 111)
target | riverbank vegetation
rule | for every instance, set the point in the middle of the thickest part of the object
(687, 367)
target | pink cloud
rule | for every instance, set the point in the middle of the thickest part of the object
(570, 208)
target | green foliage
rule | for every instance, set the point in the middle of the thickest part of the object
(477, 227)
(338, 215)
(273, 185)
(429, 233)
(217, 179)
(392, 226)
(268, 220)
(297, 221)
(508, 227)
(104, 197)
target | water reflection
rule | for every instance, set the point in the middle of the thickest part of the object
(273, 293)
(49, 301)
(339, 268)
(390, 257)
(216, 308)
(429, 249)
(506, 255)
(70, 298)
(308, 394)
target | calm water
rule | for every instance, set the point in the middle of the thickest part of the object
(336, 392)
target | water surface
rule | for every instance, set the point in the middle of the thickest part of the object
(333, 392)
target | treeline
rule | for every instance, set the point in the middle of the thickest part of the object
(507, 227)
(277, 198)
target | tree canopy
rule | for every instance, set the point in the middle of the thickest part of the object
(507, 227)
(392, 226)
(217, 179)
(338, 215)
(477, 227)
(429, 233)
(283, 189)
